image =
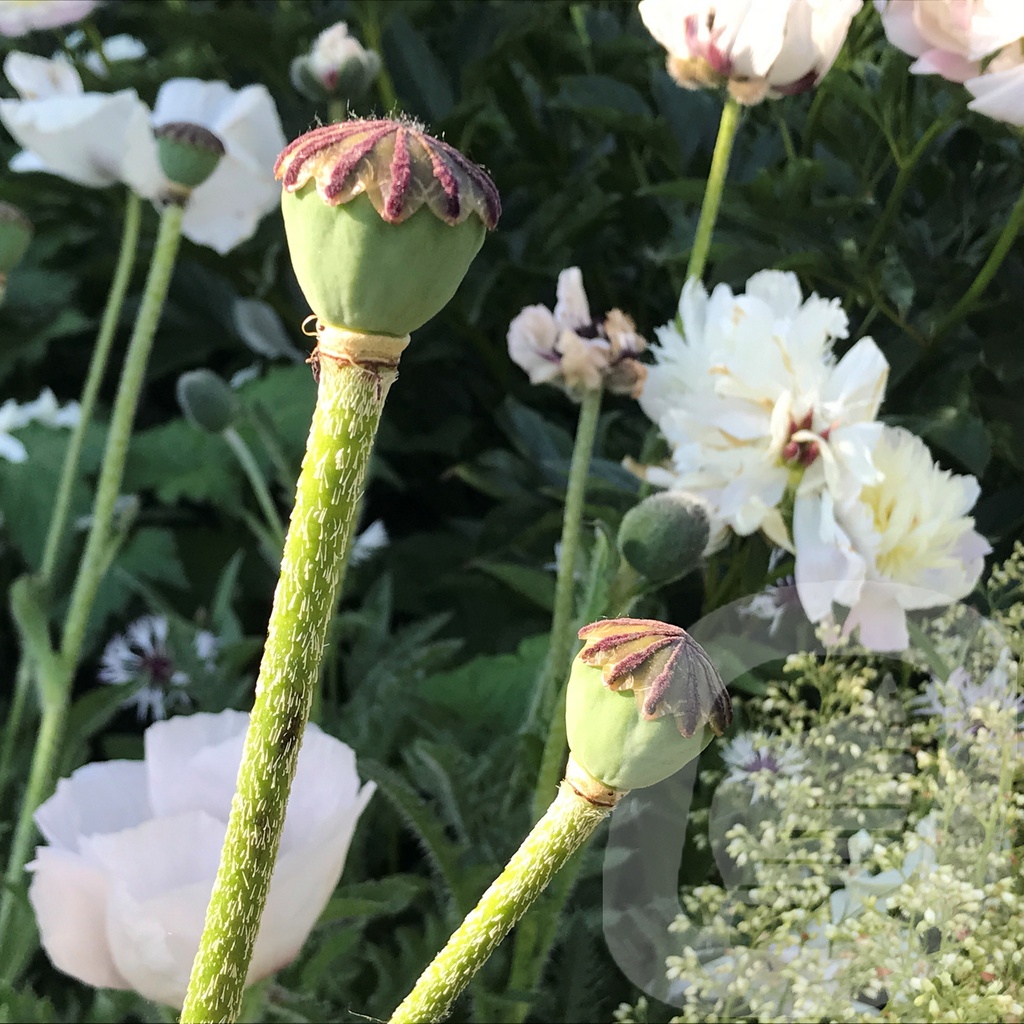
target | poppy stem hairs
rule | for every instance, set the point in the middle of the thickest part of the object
(382, 223)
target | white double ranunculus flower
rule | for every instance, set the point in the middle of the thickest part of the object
(757, 48)
(100, 139)
(120, 893)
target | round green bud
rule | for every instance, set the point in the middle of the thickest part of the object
(643, 700)
(206, 400)
(664, 536)
(382, 222)
(188, 153)
(15, 235)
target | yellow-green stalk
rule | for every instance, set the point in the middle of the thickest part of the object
(382, 222)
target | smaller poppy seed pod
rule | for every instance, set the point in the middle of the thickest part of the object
(382, 222)
(15, 234)
(643, 700)
(188, 153)
(664, 536)
(206, 400)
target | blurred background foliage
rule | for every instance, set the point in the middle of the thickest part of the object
(878, 189)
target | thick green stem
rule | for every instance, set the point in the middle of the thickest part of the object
(93, 379)
(348, 409)
(94, 558)
(55, 684)
(259, 486)
(561, 643)
(568, 824)
(999, 252)
(714, 188)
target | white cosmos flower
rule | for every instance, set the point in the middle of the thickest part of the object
(20, 16)
(905, 542)
(753, 403)
(99, 139)
(758, 48)
(120, 893)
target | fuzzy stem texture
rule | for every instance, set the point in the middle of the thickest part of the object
(55, 685)
(714, 188)
(568, 824)
(349, 404)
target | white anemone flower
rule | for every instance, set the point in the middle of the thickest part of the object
(754, 405)
(906, 542)
(757, 48)
(17, 17)
(120, 893)
(99, 139)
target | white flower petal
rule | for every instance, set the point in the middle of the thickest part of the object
(20, 16)
(827, 568)
(572, 309)
(12, 449)
(38, 78)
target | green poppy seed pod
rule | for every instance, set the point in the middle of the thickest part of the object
(188, 153)
(382, 222)
(15, 234)
(206, 400)
(643, 700)
(664, 536)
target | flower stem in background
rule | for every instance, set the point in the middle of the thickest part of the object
(356, 371)
(337, 110)
(714, 188)
(1011, 229)
(259, 486)
(55, 683)
(543, 714)
(568, 824)
(369, 25)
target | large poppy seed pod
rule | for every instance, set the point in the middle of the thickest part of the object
(189, 153)
(664, 536)
(15, 234)
(382, 221)
(643, 700)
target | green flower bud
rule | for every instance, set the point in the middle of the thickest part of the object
(206, 400)
(640, 695)
(188, 153)
(382, 222)
(664, 536)
(15, 234)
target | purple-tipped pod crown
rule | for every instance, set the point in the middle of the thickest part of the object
(382, 221)
(643, 700)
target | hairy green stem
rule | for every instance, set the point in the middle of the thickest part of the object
(349, 404)
(568, 824)
(1011, 229)
(55, 684)
(256, 481)
(714, 188)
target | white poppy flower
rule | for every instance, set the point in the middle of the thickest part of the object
(754, 405)
(20, 16)
(758, 48)
(951, 37)
(120, 893)
(99, 139)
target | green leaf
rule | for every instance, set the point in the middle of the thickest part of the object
(536, 585)
(418, 74)
(364, 901)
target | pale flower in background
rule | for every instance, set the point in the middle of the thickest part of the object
(570, 349)
(99, 139)
(120, 893)
(115, 48)
(951, 37)
(337, 63)
(45, 410)
(373, 539)
(17, 17)
(143, 655)
(999, 90)
(757, 48)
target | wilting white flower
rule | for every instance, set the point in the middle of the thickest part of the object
(338, 64)
(20, 16)
(907, 539)
(571, 349)
(143, 655)
(951, 37)
(757, 48)
(754, 405)
(120, 893)
(99, 139)
(45, 410)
